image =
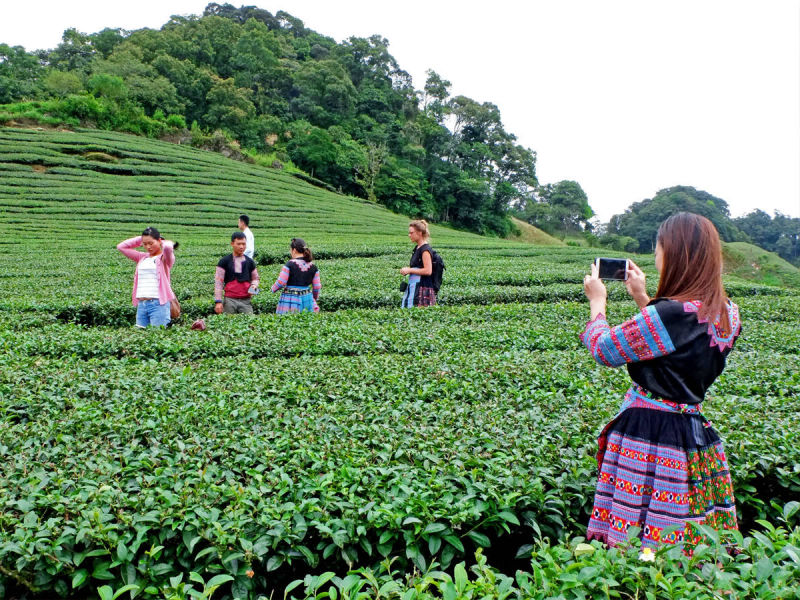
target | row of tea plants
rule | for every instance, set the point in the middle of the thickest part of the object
(267, 454)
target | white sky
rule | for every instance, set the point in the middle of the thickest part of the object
(624, 96)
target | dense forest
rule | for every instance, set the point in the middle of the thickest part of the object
(636, 228)
(344, 113)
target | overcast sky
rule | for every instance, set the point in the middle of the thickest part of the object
(624, 97)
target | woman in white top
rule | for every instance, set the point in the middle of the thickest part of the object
(152, 289)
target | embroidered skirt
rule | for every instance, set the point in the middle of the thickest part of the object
(662, 466)
(296, 299)
(416, 295)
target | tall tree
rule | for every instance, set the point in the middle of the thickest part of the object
(570, 205)
(145, 85)
(434, 95)
(229, 107)
(74, 53)
(367, 171)
(20, 73)
(323, 93)
(106, 40)
(60, 83)
(642, 219)
(559, 208)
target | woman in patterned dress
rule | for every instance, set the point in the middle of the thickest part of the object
(299, 280)
(662, 466)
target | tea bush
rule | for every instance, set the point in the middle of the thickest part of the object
(236, 460)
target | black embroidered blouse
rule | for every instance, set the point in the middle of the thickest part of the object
(669, 351)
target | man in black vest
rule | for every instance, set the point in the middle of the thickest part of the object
(238, 276)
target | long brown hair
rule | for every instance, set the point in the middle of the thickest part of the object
(691, 267)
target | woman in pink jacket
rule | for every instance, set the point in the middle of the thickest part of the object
(152, 292)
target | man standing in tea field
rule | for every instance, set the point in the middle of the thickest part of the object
(238, 277)
(244, 227)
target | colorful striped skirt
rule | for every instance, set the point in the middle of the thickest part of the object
(296, 299)
(417, 295)
(662, 466)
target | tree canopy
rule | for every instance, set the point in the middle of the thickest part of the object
(345, 112)
(559, 209)
(779, 234)
(642, 219)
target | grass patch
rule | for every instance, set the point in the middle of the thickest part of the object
(752, 263)
(525, 232)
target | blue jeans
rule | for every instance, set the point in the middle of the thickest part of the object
(150, 312)
(411, 291)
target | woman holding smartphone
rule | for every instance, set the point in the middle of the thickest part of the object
(662, 466)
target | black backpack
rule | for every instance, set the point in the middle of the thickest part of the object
(438, 270)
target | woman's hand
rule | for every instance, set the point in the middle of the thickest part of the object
(595, 291)
(593, 286)
(405, 271)
(636, 285)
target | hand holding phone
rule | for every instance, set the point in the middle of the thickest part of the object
(595, 291)
(636, 284)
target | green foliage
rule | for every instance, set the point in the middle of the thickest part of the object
(559, 209)
(20, 72)
(145, 86)
(621, 243)
(61, 84)
(325, 94)
(74, 53)
(229, 107)
(108, 86)
(357, 123)
(404, 188)
(108, 109)
(578, 570)
(176, 122)
(642, 219)
(780, 234)
(106, 40)
(231, 461)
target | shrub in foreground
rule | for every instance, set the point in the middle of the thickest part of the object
(766, 565)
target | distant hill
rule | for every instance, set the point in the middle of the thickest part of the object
(73, 195)
(344, 112)
(758, 265)
(532, 235)
(55, 183)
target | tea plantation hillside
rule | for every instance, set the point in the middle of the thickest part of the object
(70, 207)
(276, 453)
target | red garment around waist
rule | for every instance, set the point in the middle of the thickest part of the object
(237, 289)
